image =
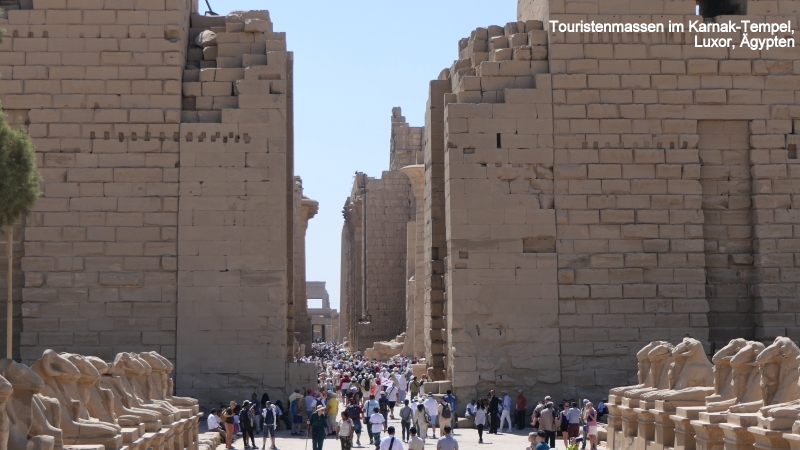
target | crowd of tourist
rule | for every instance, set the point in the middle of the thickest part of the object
(355, 398)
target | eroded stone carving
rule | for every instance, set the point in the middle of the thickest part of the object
(690, 375)
(60, 378)
(736, 376)
(34, 420)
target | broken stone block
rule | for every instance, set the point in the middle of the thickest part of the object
(206, 39)
(257, 26)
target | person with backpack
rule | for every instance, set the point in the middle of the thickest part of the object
(445, 414)
(354, 413)
(297, 413)
(246, 424)
(451, 400)
(406, 414)
(269, 416)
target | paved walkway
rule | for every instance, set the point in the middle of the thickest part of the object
(467, 440)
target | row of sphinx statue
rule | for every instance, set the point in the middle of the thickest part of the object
(746, 397)
(78, 402)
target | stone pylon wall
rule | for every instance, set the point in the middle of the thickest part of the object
(99, 87)
(165, 221)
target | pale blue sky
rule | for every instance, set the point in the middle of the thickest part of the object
(354, 61)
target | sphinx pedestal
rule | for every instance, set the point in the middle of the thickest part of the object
(707, 432)
(645, 426)
(768, 439)
(735, 431)
(614, 421)
(629, 426)
(793, 440)
(684, 430)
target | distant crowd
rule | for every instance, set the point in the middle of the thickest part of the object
(352, 396)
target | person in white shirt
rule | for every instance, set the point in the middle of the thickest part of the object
(391, 394)
(432, 406)
(391, 442)
(376, 424)
(401, 384)
(471, 410)
(214, 425)
(506, 415)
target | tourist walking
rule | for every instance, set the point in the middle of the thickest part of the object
(354, 412)
(332, 411)
(316, 425)
(414, 388)
(548, 424)
(376, 424)
(344, 430)
(390, 442)
(564, 424)
(480, 419)
(406, 415)
(432, 407)
(421, 420)
(447, 442)
(444, 415)
(505, 417)
(391, 396)
(414, 442)
(451, 400)
(495, 406)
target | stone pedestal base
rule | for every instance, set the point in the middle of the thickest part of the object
(793, 440)
(109, 442)
(614, 420)
(629, 420)
(684, 431)
(646, 427)
(768, 439)
(735, 431)
(707, 432)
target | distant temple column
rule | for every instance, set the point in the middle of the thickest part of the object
(309, 209)
(415, 306)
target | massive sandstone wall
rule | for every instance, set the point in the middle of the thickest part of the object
(166, 216)
(605, 190)
(374, 274)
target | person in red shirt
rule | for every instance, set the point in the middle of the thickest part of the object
(522, 405)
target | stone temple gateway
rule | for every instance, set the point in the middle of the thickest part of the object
(569, 198)
(582, 194)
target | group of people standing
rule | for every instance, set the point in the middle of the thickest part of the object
(353, 395)
(570, 423)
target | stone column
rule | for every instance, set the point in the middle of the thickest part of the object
(309, 209)
(415, 343)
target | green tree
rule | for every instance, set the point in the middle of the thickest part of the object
(19, 189)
